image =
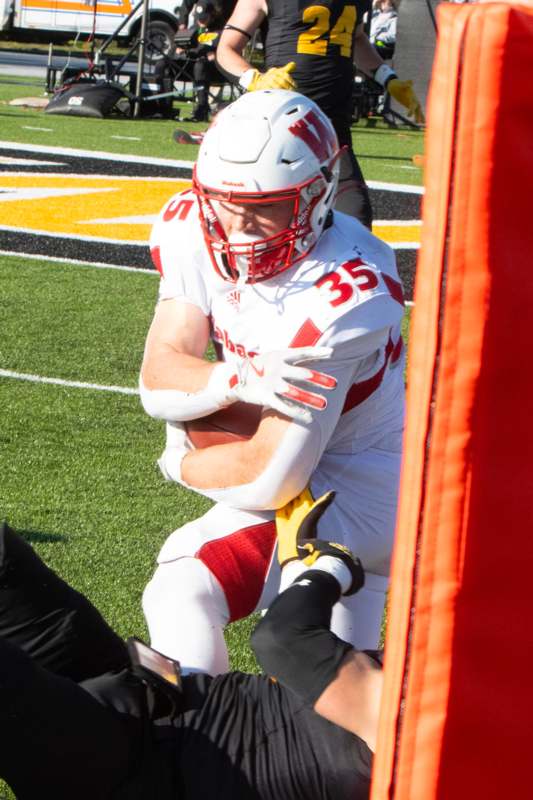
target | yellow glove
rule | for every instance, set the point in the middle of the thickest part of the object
(402, 91)
(297, 521)
(296, 528)
(274, 78)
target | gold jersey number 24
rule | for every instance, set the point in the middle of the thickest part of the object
(314, 41)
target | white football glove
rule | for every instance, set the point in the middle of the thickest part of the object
(176, 448)
(268, 380)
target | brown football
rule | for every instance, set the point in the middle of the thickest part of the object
(232, 424)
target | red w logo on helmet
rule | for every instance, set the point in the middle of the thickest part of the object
(318, 138)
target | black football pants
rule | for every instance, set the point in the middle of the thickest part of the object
(356, 201)
(97, 739)
(51, 637)
(58, 741)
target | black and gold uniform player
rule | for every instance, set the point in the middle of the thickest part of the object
(312, 47)
(202, 48)
(81, 720)
(193, 59)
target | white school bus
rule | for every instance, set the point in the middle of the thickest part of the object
(101, 16)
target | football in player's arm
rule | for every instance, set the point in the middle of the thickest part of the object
(303, 306)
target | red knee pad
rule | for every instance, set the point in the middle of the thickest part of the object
(240, 563)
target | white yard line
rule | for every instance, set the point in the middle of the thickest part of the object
(99, 154)
(89, 177)
(22, 376)
(395, 187)
(98, 264)
(169, 162)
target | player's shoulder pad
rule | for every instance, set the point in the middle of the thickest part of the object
(176, 229)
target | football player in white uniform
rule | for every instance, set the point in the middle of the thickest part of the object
(254, 258)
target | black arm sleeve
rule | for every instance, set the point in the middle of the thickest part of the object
(293, 642)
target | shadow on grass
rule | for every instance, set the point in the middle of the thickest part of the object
(40, 537)
(11, 116)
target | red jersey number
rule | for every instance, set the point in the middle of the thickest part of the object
(341, 285)
(179, 207)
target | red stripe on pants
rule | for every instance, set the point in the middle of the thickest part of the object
(240, 562)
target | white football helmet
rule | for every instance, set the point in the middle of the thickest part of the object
(267, 146)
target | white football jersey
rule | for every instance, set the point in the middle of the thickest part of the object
(347, 294)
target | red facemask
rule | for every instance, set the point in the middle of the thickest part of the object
(258, 259)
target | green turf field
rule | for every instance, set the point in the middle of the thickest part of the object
(385, 154)
(79, 478)
(79, 464)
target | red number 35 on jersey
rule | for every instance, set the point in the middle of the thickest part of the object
(352, 276)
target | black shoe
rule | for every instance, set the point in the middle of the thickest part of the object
(198, 115)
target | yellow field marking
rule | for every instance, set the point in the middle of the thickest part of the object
(397, 232)
(71, 214)
(114, 208)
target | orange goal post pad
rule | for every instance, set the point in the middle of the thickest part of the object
(457, 709)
